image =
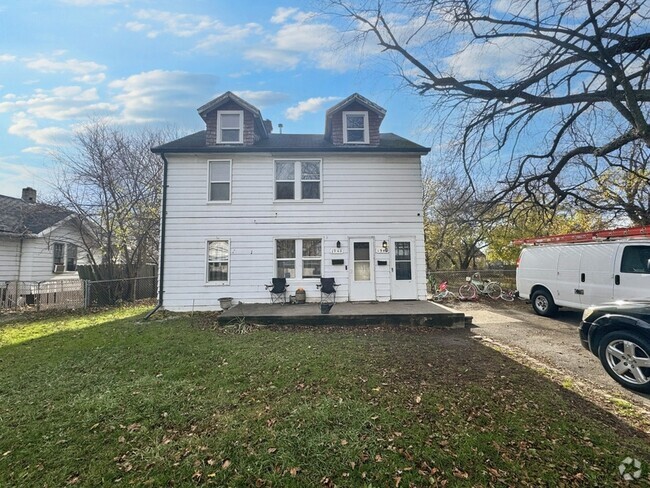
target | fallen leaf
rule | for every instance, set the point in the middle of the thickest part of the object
(271, 450)
(294, 471)
(226, 464)
(418, 399)
(344, 442)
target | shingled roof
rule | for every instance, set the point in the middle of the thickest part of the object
(20, 217)
(196, 142)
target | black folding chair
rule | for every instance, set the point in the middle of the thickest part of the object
(278, 290)
(327, 290)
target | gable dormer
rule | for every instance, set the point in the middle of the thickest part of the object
(355, 122)
(230, 120)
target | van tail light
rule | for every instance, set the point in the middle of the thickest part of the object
(518, 262)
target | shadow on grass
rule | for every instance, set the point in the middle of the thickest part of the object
(167, 402)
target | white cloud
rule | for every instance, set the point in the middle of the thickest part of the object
(176, 24)
(136, 26)
(156, 96)
(262, 98)
(502, 57)
(308, 106)
(46, 65)
(228, 34)
(42, 151)
(91, 3)
(59, 103)
(7, 58)
(273, 58)
(15, 176)
(24, 126)
(91, 79)
(282, 14)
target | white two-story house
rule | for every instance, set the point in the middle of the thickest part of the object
(243, 204)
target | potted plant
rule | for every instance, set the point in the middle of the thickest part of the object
(301, 296)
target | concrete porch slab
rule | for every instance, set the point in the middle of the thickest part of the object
(347, 313)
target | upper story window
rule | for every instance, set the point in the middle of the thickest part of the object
(298, 180)
(355, 128)
(219, 175)
(230, 127)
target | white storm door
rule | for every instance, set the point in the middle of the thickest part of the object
(362, 273)
(403, 285)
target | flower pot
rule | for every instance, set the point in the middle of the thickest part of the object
(225, 303)
(301, 296)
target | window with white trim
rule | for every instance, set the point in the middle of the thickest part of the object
(71, 258)
(355, 128)
(230, 126)
(218, 261)
(219, 173)
(298, 180)
(298, 258)
(58, 254)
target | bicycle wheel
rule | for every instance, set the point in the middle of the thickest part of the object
(493, 290)
(508, 296)
(467, 292)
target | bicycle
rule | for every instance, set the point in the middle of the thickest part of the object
(475, 286)
(508, 295)
(443, 292)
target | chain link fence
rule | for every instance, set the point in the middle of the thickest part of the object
(75, 293)
(505, 277)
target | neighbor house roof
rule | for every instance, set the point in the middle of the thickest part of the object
(20, 217)
(196, 142)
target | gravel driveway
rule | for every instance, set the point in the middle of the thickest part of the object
(552, 341)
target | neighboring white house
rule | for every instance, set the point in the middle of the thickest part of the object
(243, 205)
(38, 242)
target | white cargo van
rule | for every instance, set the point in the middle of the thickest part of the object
(584, 274)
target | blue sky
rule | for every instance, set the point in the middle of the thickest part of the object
(145, 62)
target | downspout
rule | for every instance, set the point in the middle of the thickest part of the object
(161, 257)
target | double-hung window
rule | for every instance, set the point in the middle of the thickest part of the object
(355, 128)
(59, 254)
(218, 261)
(219, 173)
(298, 180)
(298, 258)
(71, 258)
(230, 126)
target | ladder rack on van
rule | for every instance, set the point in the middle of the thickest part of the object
(620, 233)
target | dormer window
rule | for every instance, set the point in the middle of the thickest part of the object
(230, 127)
(355, 128)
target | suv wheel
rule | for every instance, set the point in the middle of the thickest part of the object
(626, 358)
(543, 303)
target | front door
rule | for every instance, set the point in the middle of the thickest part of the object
(362, 274)
(403, 285)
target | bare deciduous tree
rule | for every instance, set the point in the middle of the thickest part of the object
(112, 181)
(568, 104)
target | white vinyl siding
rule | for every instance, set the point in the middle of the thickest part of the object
(230, 126)
(376, 195)
(355, 128)
(219, 176)
(298, 179)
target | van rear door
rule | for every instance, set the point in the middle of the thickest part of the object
(632, 276)
(597, 273)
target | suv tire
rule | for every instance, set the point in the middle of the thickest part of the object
(619, 353)
(543, 303)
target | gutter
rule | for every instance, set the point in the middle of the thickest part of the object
(161, 258)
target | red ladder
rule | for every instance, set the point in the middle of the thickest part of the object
(622, 232)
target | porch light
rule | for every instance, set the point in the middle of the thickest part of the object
(384, 246)
(338, 244)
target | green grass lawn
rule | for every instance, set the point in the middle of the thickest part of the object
(101, 398)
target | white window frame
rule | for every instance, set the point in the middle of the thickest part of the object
(207, 262)
(220, 128)
(366, 129)
(63, 254)
(297, 180)
(298, 260)
(229, 161)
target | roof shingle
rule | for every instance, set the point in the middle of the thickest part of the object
(20, 217)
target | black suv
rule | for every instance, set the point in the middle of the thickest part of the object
(619, 334)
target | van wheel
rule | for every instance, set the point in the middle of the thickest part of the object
(543, 303)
